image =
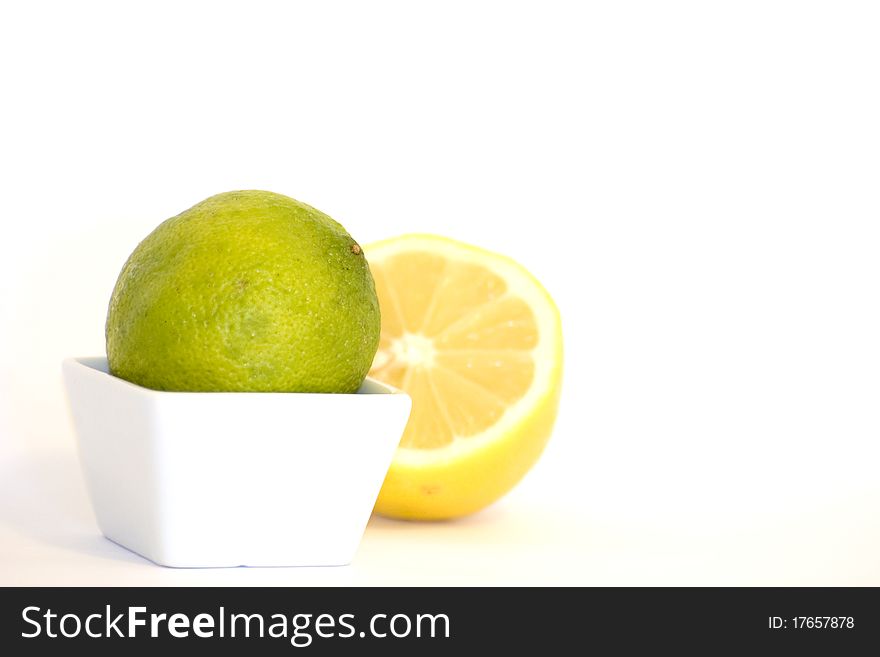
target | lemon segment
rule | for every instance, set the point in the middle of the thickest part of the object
(476, 341)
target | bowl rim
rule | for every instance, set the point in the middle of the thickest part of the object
(100, 367)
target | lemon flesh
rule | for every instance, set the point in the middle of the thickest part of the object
(477, 343)
(245, 291)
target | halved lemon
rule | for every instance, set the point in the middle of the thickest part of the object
(477, 343)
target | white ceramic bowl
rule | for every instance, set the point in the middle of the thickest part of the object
(204, 479)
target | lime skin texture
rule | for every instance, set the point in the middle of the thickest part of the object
(247, 291)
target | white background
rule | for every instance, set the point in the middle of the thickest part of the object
(695, 183)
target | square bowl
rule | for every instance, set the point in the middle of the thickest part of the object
(221, 479)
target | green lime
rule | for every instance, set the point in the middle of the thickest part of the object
(246, 291)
